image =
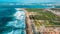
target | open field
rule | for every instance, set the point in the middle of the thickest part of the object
(48, 17)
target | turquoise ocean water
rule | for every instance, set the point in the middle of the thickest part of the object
(12, 21)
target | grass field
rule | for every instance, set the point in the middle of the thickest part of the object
(48, 17)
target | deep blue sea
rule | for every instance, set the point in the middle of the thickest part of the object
(29, 3)
(28, 6)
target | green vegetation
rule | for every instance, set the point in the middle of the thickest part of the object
(37, 24)
(48, 17)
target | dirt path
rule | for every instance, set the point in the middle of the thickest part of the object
(29, 28)
(54, 12)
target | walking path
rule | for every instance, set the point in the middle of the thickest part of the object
(29, 28)
(54, 12)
